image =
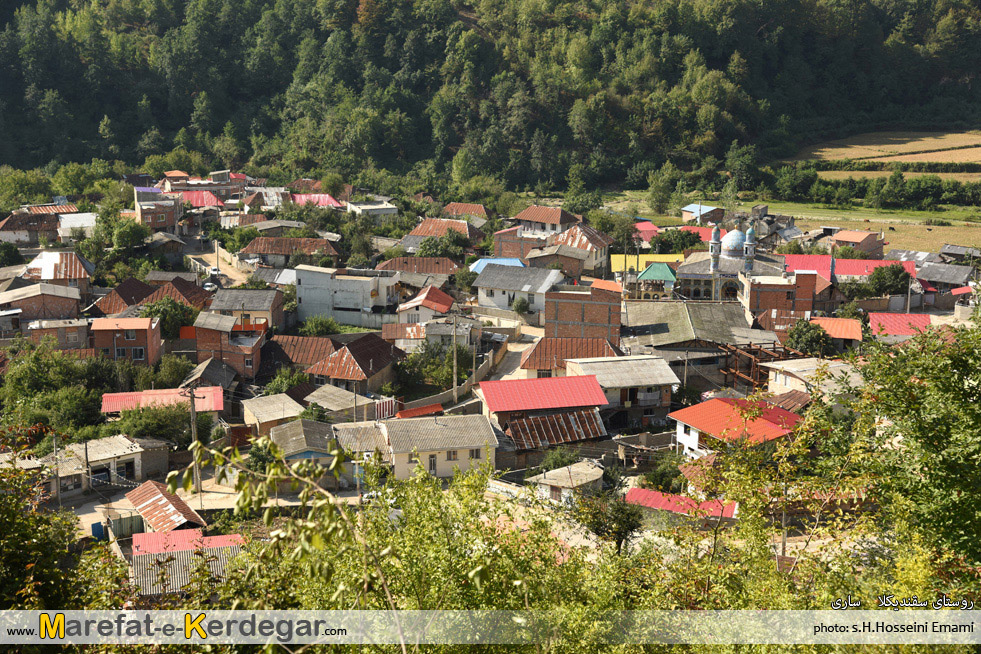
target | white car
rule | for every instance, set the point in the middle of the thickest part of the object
(210, 286)
(214, 271)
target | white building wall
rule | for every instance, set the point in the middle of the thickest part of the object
(405, 464)
(319, 291)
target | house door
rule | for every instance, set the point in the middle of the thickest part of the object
(127, 470)
(432, 464)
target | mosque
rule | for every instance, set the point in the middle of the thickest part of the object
(714, 275)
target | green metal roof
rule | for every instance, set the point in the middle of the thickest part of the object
(657, 271)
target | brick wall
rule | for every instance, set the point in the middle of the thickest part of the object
(211, 343)
(44, 307)
(510, 245)
(590, 313)
(108, 340)
(570, 267)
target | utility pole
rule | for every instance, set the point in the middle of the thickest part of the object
(88, 473)
(57, 480)
(194, 439)
(455, 394)
(685, 382)
(909, 292)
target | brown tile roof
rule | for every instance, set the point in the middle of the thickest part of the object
(29, 222)
(549, 215)
(288, 246)
(161, 510)
(298, 350)
(358, 360)
(128, 293)
(423, 265)
(439, 226)
(305, 185)
(698, 472)
(183, 291)
(551, 352)
(582, 237)
(792, 401)
(543, 431)
(403, 330)
(465, 209)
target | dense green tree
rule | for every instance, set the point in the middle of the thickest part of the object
(319, 326)
(172, 314)
(285, 379)
(809, 338)
(10, 255)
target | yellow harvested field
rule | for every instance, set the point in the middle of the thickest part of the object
(876, 145)
(962, 155)
(856, 174)
(906, 236)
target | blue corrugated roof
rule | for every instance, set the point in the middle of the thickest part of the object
(699, 210)
(478, 265)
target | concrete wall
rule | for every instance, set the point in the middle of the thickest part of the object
(404, 465)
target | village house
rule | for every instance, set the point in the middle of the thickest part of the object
(517, 243)
(377, 209)
(157, 278)
(406, 336)
(583, 312)
(39, 302)
(362, 366)
(127, 293)
(181, 291)
(898, 327)
(430, 303)
(278, 252)
(367, 298)
(310, 441)
(159, 214)
(73, 227)
(637, 387)
(249, 306)
(566, 258)
(706, 427)
(811, 375)
(61, 269)
(944, 277)
(267, 411)
(161, 510)
(845, 333)
(871, 243)
(590, 240)
(537, 220)
(511, 399)
(959, 253)
(918, 257)
(135, 339)
(226, 341)
(466, 210)
(702, 213)
(499, 286)
(67, 334)
(27, 228)
(528, 439)
(165, 245)
(437, 228)
(547, 356)
(342, 403)
(563, 485)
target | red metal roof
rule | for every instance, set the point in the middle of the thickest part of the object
(181, 540)
(298, 350)
(608, 285)
(439, 226)
(358, 360)
(821, 263)
(550, 352)
(723, 418)
(680, 504)
(161, 510)
(420, 411)
(287, 246)
(48, 266)
(898, 324)
(200, 199)
(113, 324)
(704, 233)
(465, 209)
(182, 291)
(848, 329)
(208, 398)
(543, 431)
(316, 199)
(431, 298)
(548, 215)
(423, 265)
(963, 290)
(538, 394)
(645, 229)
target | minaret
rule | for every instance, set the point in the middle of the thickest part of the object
(749, 249)
(715, 248)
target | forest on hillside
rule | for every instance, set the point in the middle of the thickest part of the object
(528, 92)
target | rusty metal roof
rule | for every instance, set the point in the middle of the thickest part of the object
(182, 291)
(544, 431)
(29, 222)
(550, 353)
(286, 246)
(422, 265)
(128, 293)
(162, 510)
(403, 330)
(48, 266)
(52, 208)
(298, 350)
(582, 237)
(465, 209)
(358, 360)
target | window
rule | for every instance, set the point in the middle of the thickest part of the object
(160, 219)
(451, 455)
(72, 337)
(555, 493)
(542, 374)
(120, 352)
(490, 292)
(790, 295)
(139, 354)
(246, 317)
(474, 454)
(129, 335)
(105, 351)
(73, 283)
(413, 458)
(248, 363)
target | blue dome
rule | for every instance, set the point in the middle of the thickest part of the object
(732, 243)
(751, 233)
